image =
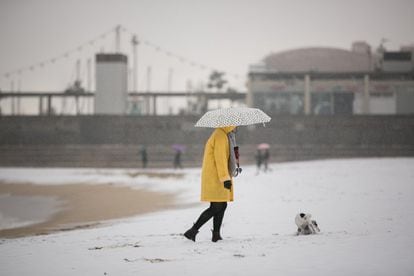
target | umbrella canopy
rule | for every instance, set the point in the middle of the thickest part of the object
(263, 146)
(233, 116)
(178, 147)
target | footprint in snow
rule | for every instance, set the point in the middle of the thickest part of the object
(239, 255)
(136, 245)
(153, 261)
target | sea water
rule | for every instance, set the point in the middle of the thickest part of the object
(19, 211)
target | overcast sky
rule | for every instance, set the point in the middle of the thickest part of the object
(224, 34)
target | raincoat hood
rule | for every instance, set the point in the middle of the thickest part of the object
(227, 129)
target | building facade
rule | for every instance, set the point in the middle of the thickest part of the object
(333, 81)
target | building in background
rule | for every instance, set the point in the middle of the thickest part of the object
(334, 81)
(111, 84)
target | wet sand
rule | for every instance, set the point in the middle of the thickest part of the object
(84, 205)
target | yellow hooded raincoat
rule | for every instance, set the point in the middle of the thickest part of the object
(215, 167)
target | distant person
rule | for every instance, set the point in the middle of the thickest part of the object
(266, 156)
(259, 159)
(144, 156)
(177, 160)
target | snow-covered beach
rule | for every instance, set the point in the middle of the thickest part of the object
(363, 207)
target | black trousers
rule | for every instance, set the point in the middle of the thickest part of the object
(215, 211)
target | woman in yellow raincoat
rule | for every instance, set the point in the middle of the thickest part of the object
(216, 182)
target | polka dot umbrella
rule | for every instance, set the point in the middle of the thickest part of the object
(233, 116)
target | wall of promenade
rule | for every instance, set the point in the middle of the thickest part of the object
(114, 141)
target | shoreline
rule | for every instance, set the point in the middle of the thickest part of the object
(85, 205)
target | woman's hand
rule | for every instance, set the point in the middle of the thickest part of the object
(227, 184)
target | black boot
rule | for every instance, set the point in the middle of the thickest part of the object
(216, 236)
(191, 234)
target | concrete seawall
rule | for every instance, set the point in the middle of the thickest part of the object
(114, 141)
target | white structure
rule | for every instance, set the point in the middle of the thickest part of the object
(111, 84)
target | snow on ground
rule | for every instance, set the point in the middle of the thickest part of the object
(363, 206)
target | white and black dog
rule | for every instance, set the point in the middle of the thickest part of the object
(305, 225)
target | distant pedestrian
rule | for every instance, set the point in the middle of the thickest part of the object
(266, 156)
(262, 156)
(178, 151)
(144, 156)
(259, 159)
(177, 160)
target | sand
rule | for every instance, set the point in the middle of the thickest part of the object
(81, 205)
